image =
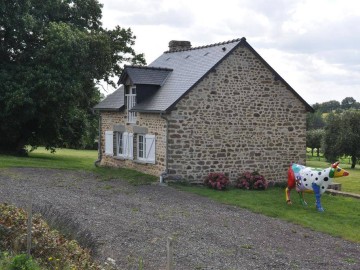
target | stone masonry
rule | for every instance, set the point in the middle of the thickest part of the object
(238, 118)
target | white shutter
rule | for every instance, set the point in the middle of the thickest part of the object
(130, 154)
(109, 145)
(117, 137)
(125, 144)
(150, 148)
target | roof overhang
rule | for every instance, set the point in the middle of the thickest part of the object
(144, 75)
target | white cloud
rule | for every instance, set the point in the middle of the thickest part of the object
(313, 45)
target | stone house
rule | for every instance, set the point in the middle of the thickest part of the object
(214, 108)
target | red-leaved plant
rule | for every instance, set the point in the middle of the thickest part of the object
(217, 181)
(248, 180)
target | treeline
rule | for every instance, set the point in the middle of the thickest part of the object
(334, 129)
(335, 106)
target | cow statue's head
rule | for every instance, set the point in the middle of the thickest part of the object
(336, 171)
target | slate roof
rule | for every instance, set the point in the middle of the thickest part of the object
(177, 72)
(145, 75)
(113, 102)
(189, 67)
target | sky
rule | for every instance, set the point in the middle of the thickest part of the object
(313, 44)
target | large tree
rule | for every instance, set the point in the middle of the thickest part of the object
(342, 136)
(348, 103)
(52, 55)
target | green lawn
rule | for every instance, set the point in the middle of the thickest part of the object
(61, 159)
(74, 160)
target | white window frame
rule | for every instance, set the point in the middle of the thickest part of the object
(119, 143)
(127, 147)
(147, 153)
(141, 140)
(130, 96)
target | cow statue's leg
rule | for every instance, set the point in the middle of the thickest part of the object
(316, 190)
(290, 185)
(302, 200)
(287, 195)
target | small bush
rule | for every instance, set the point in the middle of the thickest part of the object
(17, 262)
(23, 262)
(254, 180)
(49, 248)
(217, 181)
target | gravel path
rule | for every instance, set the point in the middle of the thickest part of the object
(129, 223)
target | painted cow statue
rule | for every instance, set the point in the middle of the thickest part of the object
(306, 179)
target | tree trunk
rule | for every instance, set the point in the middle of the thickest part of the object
(312, 152)
(20, 148)
(353, 161)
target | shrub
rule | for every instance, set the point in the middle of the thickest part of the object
(254, 180)
(50, 249)
(23, 262)
(17, 262)
(217, 181)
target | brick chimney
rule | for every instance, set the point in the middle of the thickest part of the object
(176, 45)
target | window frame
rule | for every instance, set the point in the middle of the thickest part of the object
(145, 148)
(119, 141)
(141, 141)
(130, 98)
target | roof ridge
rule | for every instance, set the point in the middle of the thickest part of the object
(210, 45)
(147, 67)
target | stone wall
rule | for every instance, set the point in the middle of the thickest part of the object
(238, 118)
(154, 125)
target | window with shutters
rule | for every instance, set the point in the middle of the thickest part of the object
(130, 97)
(119, 144)
(146, 148)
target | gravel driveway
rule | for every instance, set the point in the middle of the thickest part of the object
(130, 223)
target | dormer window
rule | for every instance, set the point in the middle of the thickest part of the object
(130, 98)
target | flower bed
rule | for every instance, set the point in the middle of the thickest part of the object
(254, 180)
(217, 181)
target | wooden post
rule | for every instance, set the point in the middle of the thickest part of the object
(169, 247)
(29, 226)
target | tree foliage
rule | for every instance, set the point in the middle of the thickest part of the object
(342, 136)
(315, 121)
(314, 139)
(327, 107)
(52, 55)
(335, 106)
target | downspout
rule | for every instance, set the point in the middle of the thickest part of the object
(164, 173)
(97, 162)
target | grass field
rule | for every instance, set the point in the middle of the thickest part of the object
(74, 160)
